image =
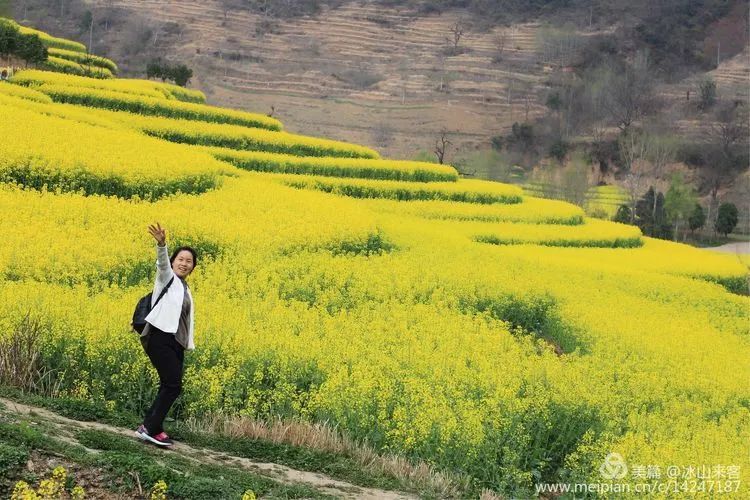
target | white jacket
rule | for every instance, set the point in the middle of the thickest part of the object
(166, 315)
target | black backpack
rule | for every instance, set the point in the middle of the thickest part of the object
(144, 307)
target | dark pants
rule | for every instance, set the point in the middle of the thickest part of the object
(167, 355)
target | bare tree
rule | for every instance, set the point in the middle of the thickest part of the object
(441, 146)
(382, 134)
(661, 151)
(404, 71)
(626, 93)
(136, 36)
(634, 149)
(457, 31)
(90, 48)
(509, 93)
(730, 136)
(574, 180)
(441, 59)
(500, 40)
(25, 8)
(107, 14)
(527, 98)
(559, 46)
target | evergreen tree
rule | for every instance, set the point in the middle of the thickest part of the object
(727, 218)
(622, 215)
(697, 218)
(652, 222)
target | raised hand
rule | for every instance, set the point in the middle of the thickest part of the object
(159, 234)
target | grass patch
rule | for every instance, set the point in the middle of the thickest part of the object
(536, 315)
(123, 460)
(121, 454)
(563, 242)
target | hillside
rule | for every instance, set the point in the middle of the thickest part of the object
(312, 71)
(384, 321)
(383, 76)
(366, 74)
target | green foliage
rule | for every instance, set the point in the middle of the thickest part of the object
(651, 215)
(554, 101)
(697, 217)
(727, 218)
(120, 457)
(521, 136)
(180, 73)
(679, 202)
(11, 458)
(522, 143)
(623, 215)
(86, 20)
(336, 465)
(707, 94)
(559, 149)
(9, 36)
(111, 185)
(31, 49)
(375, 244)
(561, 242)
(21, 435)
(28, 47)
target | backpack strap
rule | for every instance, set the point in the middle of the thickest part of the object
(163, 292)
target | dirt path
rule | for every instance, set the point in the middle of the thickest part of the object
(273, 471)
(741, 247)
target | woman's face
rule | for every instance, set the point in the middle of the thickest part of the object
(183, 264)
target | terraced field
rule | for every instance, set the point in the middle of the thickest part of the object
(460, 323)
(356, 65)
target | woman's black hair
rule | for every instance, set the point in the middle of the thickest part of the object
(189, 249)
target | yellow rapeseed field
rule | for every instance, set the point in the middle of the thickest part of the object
(65, 65)
(438, 320)
(146, 88)
(84, 59)
(72, 156)
(52, 41)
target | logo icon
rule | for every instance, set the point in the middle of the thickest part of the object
(613, 467)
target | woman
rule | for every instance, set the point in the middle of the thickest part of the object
(168, 332)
